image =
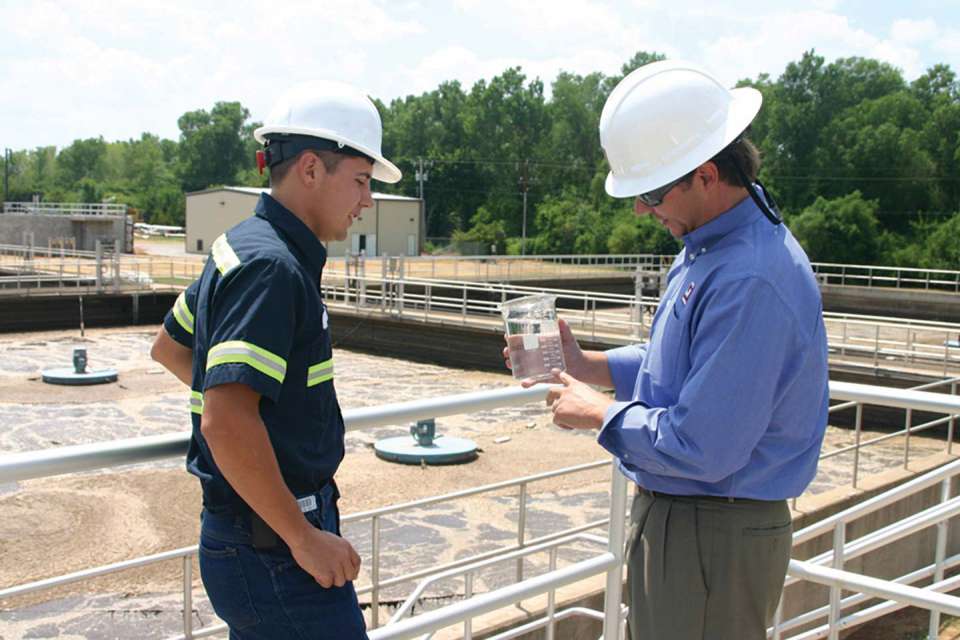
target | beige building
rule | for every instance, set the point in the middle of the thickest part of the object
(391, 226)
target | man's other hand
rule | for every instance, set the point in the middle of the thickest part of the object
(331, 560)
(576, 405)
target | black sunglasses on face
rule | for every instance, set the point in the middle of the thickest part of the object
(655, 197)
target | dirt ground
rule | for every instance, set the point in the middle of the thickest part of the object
(57, 525)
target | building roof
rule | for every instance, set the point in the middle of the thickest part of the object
(256, 191)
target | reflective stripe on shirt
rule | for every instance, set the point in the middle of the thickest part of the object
(320, 372)
(237, 351)
(223, 255)
(196, 402)
(182, 314)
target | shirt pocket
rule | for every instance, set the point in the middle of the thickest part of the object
(668, 355)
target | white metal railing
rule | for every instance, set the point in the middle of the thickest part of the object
(566, 267)
(21, 466)
(862, 275)
(828, 568)
(46, 270)
(868, 341)
(66, 208)
(512, 268)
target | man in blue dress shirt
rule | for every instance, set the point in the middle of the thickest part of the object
(718, 418)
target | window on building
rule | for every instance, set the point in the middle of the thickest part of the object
(199, 244)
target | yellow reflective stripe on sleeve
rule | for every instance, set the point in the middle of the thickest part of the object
(320, 372)
(196, 402)
(223, 255)
(181, 313)
(238, 351)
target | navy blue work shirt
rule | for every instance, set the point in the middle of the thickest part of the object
(256, 317)
(730, 395)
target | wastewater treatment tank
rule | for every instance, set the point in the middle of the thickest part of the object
(78, 375)
(426, 447)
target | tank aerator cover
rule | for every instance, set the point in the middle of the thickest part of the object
(425, 447)
(78, 375)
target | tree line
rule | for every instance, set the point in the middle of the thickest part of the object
(863, 163)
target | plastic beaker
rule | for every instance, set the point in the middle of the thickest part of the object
(533, 336)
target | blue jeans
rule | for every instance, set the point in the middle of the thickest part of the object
(264, 594)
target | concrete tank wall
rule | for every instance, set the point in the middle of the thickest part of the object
(85, 230)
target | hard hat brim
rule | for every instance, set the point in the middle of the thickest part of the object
(383, 169)
(744, 106)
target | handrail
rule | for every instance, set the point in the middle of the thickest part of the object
(86, 457)
(15, 467)
(924, 598)
(66, 208)
(431, 621)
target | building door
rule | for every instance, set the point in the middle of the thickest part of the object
(366, 242)
(411, 245)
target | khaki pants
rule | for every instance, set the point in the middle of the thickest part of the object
(705, 568)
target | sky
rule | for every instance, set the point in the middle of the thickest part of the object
(85, 68)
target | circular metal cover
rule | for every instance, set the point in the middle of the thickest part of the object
(444, 450)
(69, 376)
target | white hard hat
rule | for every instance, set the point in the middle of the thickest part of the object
(331, 111)
(664, 120)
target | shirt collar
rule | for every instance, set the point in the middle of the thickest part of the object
(701, 238)
(312, 254)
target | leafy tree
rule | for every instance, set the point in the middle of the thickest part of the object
(485, 236)
(213, 146)
(569, 225)
(82, 159)
(841, 230)
(941, 248)
(640, 234)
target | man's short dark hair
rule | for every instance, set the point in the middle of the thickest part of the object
(330, 159)
(742, 152)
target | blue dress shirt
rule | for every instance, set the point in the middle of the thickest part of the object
(730, 395)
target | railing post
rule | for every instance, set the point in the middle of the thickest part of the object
(552, 599)
(99, 267)
(188, 597)
(521, 527)
(946, 354)
(593, 329)
(939, 555)
(856, 450)
(778, 619)
(616, 535)
(876, 347)
(839, 540)
(467, 594)
(908, 423)
(952, 424)
(375, 572)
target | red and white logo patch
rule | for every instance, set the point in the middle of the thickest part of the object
(688, 292)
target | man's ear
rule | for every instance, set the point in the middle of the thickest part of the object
(310, 169)
(708, 174)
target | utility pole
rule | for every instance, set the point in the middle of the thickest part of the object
(421, 175)
(7, 157)
(524, 187)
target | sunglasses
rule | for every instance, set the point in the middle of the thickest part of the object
(655, 197)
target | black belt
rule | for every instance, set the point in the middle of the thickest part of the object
(720, 499)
